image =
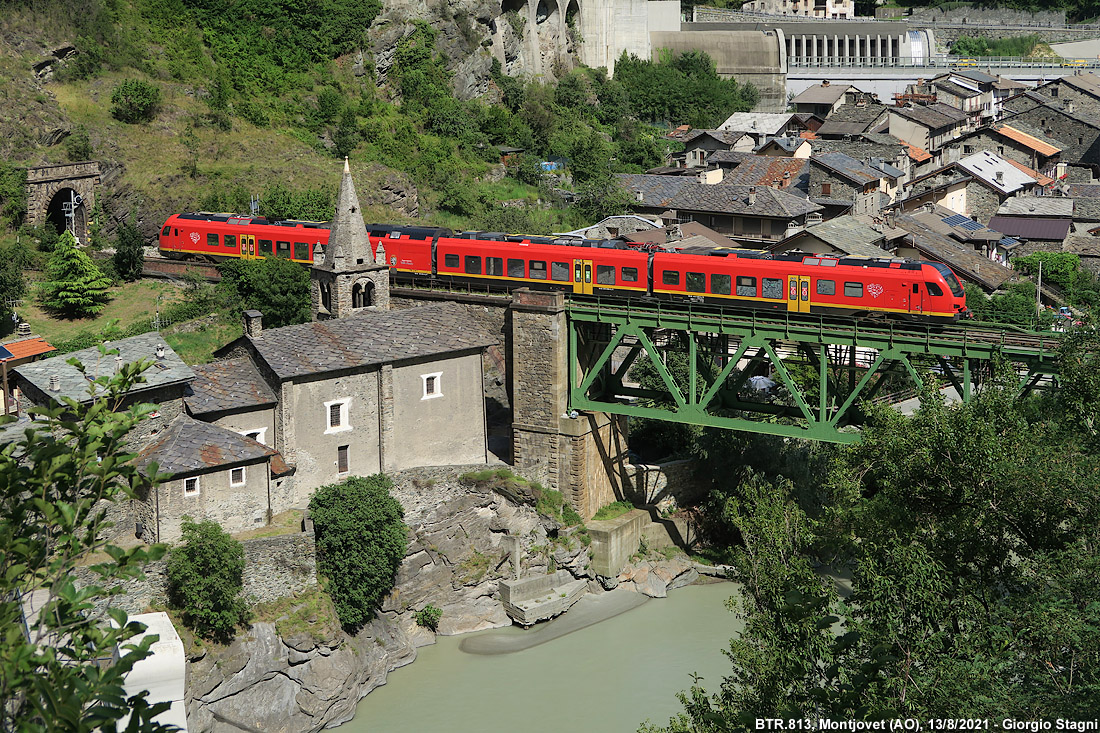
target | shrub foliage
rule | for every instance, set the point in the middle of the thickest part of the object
(135, 101)
(205, 578)
(75, 287)
(361, 540)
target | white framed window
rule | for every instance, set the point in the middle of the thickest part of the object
(432, 385)
(336, 416)
(236, 476)
(259, 435)
(191, 486)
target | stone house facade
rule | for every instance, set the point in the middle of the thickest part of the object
(1038, 153)
(1077, 126)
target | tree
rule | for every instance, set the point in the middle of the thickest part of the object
(361, 540)
(601, 198)
(129, 258)
(74, 286)
(78, 146)
(56, 481)
(135, 101)
(276, 286)
(205, 578)
(12, 286)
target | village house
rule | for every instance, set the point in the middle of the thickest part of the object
(855, 119)
(759, 170)
(925, 242)
(836, 9)
(838, 179)
(841, 236)
(1019, 143)
(967, 90)
(826, 98)
(785, 147)
(699, 144)
(974, 186)
(762, 125)
(1075, 123)
(750, 213)
(927, 127)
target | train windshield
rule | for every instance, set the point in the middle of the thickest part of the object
(949, 277)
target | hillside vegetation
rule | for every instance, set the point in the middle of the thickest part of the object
(262, 98)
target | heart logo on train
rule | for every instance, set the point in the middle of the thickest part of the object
(195, 237)
(874, 289)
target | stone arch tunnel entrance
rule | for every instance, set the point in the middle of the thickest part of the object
(50, 187)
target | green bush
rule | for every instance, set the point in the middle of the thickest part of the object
(275, 286)
(429, 616)
(135, 101)
(77, 145)
(361, 540)
(129, 257)
(205, 578)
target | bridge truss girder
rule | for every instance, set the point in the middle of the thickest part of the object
(823, 401)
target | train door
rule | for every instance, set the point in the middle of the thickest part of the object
(916, 299)
(798, 293)
(582, 277)
(248, 246)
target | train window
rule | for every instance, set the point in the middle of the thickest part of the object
(826, 287)
(177, 232)
(537, 270)
(395, 234)
(494, 266)
(211, 240)
(811, 261)
(378, 233)
(282, 249)
(772, 287)
(853, 290)
(720, 284)
(473, 265)
(630, 274)
(605, 274)
(230, 240)
(670, 277)
(746, 286)
(301, 250)
(934, 289)
(516, 268)
(450, 260)
(164, 232)
(265, 247)
(695, 282)
(559, 271)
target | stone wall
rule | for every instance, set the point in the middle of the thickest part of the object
(656, 484)
(982, 201)
(275, 567)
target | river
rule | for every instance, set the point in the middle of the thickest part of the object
(607, 677)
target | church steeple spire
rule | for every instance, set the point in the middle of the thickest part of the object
(348, 244)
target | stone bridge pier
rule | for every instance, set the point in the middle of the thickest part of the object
(584, 457)
(50, 187)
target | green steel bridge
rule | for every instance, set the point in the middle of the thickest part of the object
(826, 366)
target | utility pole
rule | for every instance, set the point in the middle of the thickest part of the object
(1039, 294)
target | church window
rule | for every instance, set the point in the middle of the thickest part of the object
(336, 416)
(362, 294)
(236, 476)
(191, 486)
(432, 386)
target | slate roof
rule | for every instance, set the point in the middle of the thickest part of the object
(933, 116)
(1083, 190)
(821, 94)
(1081, 244)
(848, 167)
(967, 263)
(234, 384)
(165, 371)
(1026, 227)
(367, 338)
(840, 127)
(729, 156)
(985, 166)
(726, 137)
(1037, 206)
(957, 90)
(848, 235)
(722, 198)
(765, 170)
(790, 144)
(758, 122)
(1088, 83)
(187, 445)
(974, 75)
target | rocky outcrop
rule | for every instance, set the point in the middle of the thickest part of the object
(462, 543)
(656, 578)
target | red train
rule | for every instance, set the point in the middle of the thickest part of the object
(859, 286)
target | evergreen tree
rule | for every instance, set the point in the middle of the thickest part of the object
(74, 287)
(129, 251)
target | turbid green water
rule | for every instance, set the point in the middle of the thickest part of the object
(607, 677)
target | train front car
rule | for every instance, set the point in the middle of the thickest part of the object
(168, 240)
(945, 294)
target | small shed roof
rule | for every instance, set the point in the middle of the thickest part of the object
(764, 123)
(27, 348)
(822, 94)
(1026, 227)
(188, 446)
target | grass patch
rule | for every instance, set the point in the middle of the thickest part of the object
(474, 567)
(310, 612)
(130, 304)
(547, 502)
(613, 510)
(197, 346)
(288, 522)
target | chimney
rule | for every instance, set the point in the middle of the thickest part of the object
(118, 363)
(253, 322)
(160, 351)
(825, 83)
(752, 195)
(999, 177)
(638, 196)
(1070, 106)
(55, 383)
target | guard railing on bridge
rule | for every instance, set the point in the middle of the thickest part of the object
(942, 62)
